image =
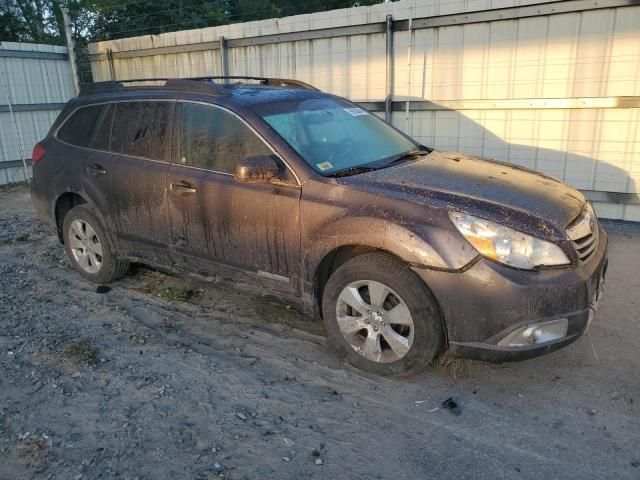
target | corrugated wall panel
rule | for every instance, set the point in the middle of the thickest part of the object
(26, 81)
(550, 62)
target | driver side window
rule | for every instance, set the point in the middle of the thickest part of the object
(214, 139)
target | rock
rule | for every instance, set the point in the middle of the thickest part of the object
(241, 416)
(451, 405)
(286, 459)
(201, 444)
(76, 375)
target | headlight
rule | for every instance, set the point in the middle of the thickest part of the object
(506, 245)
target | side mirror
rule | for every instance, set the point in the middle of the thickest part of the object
(257, 169)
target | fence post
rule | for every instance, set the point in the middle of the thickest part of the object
(224, 62)
(389, 52)
(112, 67)
(71, 49)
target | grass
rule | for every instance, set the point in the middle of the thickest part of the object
(82, 351)
(176, 294)
(452, 366)
(161, 286)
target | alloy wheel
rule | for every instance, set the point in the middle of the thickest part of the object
(375, 321)
(85, 246)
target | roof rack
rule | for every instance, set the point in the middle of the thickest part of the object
(268, 81)
(193, 84)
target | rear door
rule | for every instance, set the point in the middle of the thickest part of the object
(217, 221)
(127, 175)
(85, 157)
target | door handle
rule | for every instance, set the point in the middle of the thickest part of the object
(183, 187)
(96, 170)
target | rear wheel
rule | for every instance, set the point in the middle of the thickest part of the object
(88, 248)
(381, 316)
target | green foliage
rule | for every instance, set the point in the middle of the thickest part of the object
(30, 20)
(40, 21)
(11, 28)
(249, 10)
(115, 18)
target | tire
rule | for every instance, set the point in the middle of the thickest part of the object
(88, 247)
(378, 346)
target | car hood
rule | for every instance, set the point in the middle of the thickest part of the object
(495, 190)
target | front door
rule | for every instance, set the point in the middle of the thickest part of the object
(217, 221)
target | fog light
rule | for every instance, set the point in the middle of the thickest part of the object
(536, 333)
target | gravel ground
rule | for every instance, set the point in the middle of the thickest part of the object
(165, 377)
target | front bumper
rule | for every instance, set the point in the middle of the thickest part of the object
(488, 301)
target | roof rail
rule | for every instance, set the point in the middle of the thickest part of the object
(150, 84)
(269, 81)
(191, 84)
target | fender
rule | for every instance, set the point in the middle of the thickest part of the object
(90, 203)
(424, 249)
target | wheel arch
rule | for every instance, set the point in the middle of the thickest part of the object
(332, 261)
(340, 255)
(65, 202)
(342, 239)
(70, 199)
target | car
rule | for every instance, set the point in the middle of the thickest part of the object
(404, 252)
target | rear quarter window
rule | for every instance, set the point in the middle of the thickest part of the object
(79, 127)
(140, 129)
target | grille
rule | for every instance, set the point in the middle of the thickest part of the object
(583, 233)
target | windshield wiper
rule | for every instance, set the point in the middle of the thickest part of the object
(408, 155)
(345, 172)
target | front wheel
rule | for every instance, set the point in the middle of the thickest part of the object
(88, 248)
(381, 316)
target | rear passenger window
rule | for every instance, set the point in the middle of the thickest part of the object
(140, 129)
(214, 139)
(78, 129)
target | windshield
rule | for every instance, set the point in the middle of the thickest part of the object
(333, 136)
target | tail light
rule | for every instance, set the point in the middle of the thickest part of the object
(38, 153)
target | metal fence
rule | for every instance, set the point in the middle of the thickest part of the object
(35, 83)
(551, 86)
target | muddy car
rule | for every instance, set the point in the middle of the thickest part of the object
(402, 251)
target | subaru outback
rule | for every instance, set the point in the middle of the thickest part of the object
(403, 251)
